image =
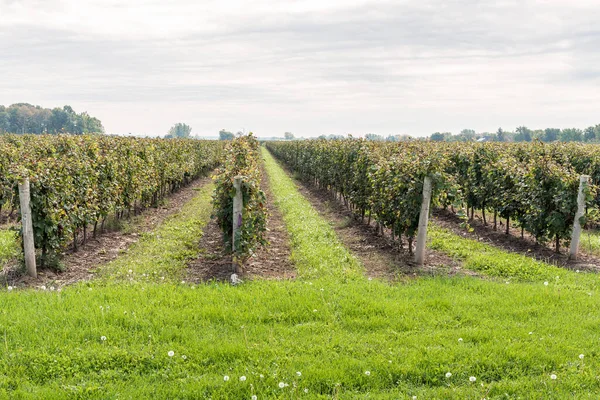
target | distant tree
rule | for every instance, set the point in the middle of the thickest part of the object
(288, 136)
(550, 134)
(466, 135)
(500, 135)
(225, 135)
(589, 135)
(523, 134)
(374, 137)
(26, 118)
(437, 137)
(179, 130)
(571, 135)
(323, 137)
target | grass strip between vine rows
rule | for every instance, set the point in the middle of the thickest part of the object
(163, 253)
(316, 250)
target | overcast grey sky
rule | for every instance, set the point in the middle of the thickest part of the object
(306, 66)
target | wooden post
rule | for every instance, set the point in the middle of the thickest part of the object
(423, 221)
(238, 204)
(28, 244)
(583, 182)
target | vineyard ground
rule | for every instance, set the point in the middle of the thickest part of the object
(268, 262)
(330, 331)
(514, 243)
(380, 257)
(106, 247)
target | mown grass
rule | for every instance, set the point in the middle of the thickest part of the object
(9, 248)
(164, 253)
(331, 326)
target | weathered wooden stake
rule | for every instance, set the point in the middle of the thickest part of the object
(423, 221)
(237, 218)
(28, 244)
(583, 182)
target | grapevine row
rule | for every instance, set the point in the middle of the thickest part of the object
(77, 181)
(242, 159)
(534, 184)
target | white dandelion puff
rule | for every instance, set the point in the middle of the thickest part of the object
(226, 378)
(472, 379)
(546, 283)
(10, 288)
(254, 397)
(581, 356)
(171, 353)
(103, 338)
(460, 339)
(306, 390)
(242, 378)
(184, 357)
(448, 374)
(368, 373)
(281, 385)
(298, 373)
(553, 377)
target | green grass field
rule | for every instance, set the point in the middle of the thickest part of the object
(330, 333)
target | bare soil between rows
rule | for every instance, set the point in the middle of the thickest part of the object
(513, 241)
(82, 265)
(268, 262)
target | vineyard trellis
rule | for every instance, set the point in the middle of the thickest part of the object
(77, 181)
(533, 184)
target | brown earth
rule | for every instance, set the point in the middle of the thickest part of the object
(81, 265)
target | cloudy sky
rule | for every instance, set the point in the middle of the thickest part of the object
(306, 66)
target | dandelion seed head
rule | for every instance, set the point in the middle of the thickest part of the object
(553, 377)
(281, 385)
(261, 376)
(298, 373)
(10, 288)
(472, 379)
(242, 378)
(368, 373)
(448, 374)
(226, 378)
(581, 356)
(460, 339)
(306, 390)
(184, 357)
(171, 353)
(546, 283)
(103, 338)
(254, 397)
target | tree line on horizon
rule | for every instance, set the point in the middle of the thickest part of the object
(24, 118)
(590, 134)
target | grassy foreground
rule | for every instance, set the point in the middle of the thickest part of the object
(329, 334)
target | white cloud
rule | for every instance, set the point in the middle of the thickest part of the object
(310, 67)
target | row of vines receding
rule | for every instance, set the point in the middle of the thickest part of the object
(77, 181)
(533, 184)
(242, 159)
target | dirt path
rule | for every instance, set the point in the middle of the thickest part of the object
(82, 265)
(513, 242)
(381, 257)
(269, 262)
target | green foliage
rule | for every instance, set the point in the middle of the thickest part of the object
(531, 183)
(179, 130)
(76, 181)
(25, 118)
(225, 135)
(242, 159)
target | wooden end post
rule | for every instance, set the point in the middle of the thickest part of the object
(26, 220)
(583, 182)
(423, 221)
